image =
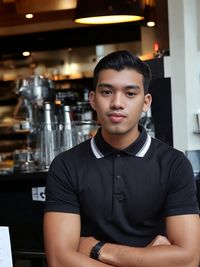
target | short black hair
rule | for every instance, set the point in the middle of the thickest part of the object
(120, 60)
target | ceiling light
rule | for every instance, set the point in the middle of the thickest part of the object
(150, 13)
(26, 53)
(29, 16)
(151, 23)
(110, 11)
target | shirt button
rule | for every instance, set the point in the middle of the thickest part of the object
(118, 177)
(118, 155)
(120, 196)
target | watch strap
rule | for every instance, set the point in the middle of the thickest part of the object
(95, 251)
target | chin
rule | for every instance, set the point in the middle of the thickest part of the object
(121, 129)
(117, 130)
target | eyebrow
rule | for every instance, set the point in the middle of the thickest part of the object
(131, 86)
(104, 85)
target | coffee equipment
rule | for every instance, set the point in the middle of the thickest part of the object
(33, 91)
(49, 123)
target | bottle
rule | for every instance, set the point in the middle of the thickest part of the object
(49, 136)
(68, 134)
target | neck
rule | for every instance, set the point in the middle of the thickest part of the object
(120, 141)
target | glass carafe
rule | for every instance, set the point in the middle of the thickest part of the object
(68, 134)
(49, 136)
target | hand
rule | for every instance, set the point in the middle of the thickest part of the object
(159, 240)
(86, 244)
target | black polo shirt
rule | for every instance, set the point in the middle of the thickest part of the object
(122, 196)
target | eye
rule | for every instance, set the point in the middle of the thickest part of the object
(130, 93)
(106, 92)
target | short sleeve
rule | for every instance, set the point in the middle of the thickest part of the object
(181, 197)
(61, 193)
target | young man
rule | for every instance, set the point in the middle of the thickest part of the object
(121, 198)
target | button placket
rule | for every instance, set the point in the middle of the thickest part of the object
(118, 183)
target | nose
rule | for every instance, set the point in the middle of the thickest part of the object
(117, 101)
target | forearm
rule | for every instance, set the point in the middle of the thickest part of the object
(73, 259)
(151, 256)
(61, 240)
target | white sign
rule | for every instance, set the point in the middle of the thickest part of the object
(5, 248)
(38, 194)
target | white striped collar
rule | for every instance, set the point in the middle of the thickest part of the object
(145, 147)
(95, 150)
(141, 153)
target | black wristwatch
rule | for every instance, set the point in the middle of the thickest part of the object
(95, 251)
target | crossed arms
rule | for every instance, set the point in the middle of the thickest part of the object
(65, 248)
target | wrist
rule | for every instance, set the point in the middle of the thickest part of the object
(109, 254)
(95, 251)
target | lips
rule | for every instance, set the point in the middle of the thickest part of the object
(116, 117)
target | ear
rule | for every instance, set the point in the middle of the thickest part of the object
(147, 102)
(92, 100)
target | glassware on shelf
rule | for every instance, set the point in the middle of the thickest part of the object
(68, 133)
(25, 160)
(86, 129)
(49, 136)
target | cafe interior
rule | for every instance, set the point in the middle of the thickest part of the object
(48, 50)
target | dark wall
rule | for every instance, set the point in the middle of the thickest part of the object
(160, 90)
(76, 37)
(162, 28)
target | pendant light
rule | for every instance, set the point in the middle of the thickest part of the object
(108, 11)
(150, 13)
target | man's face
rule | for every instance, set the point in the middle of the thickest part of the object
(119, 101)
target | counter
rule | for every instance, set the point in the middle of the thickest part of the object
(19, 176)
(22, 203)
